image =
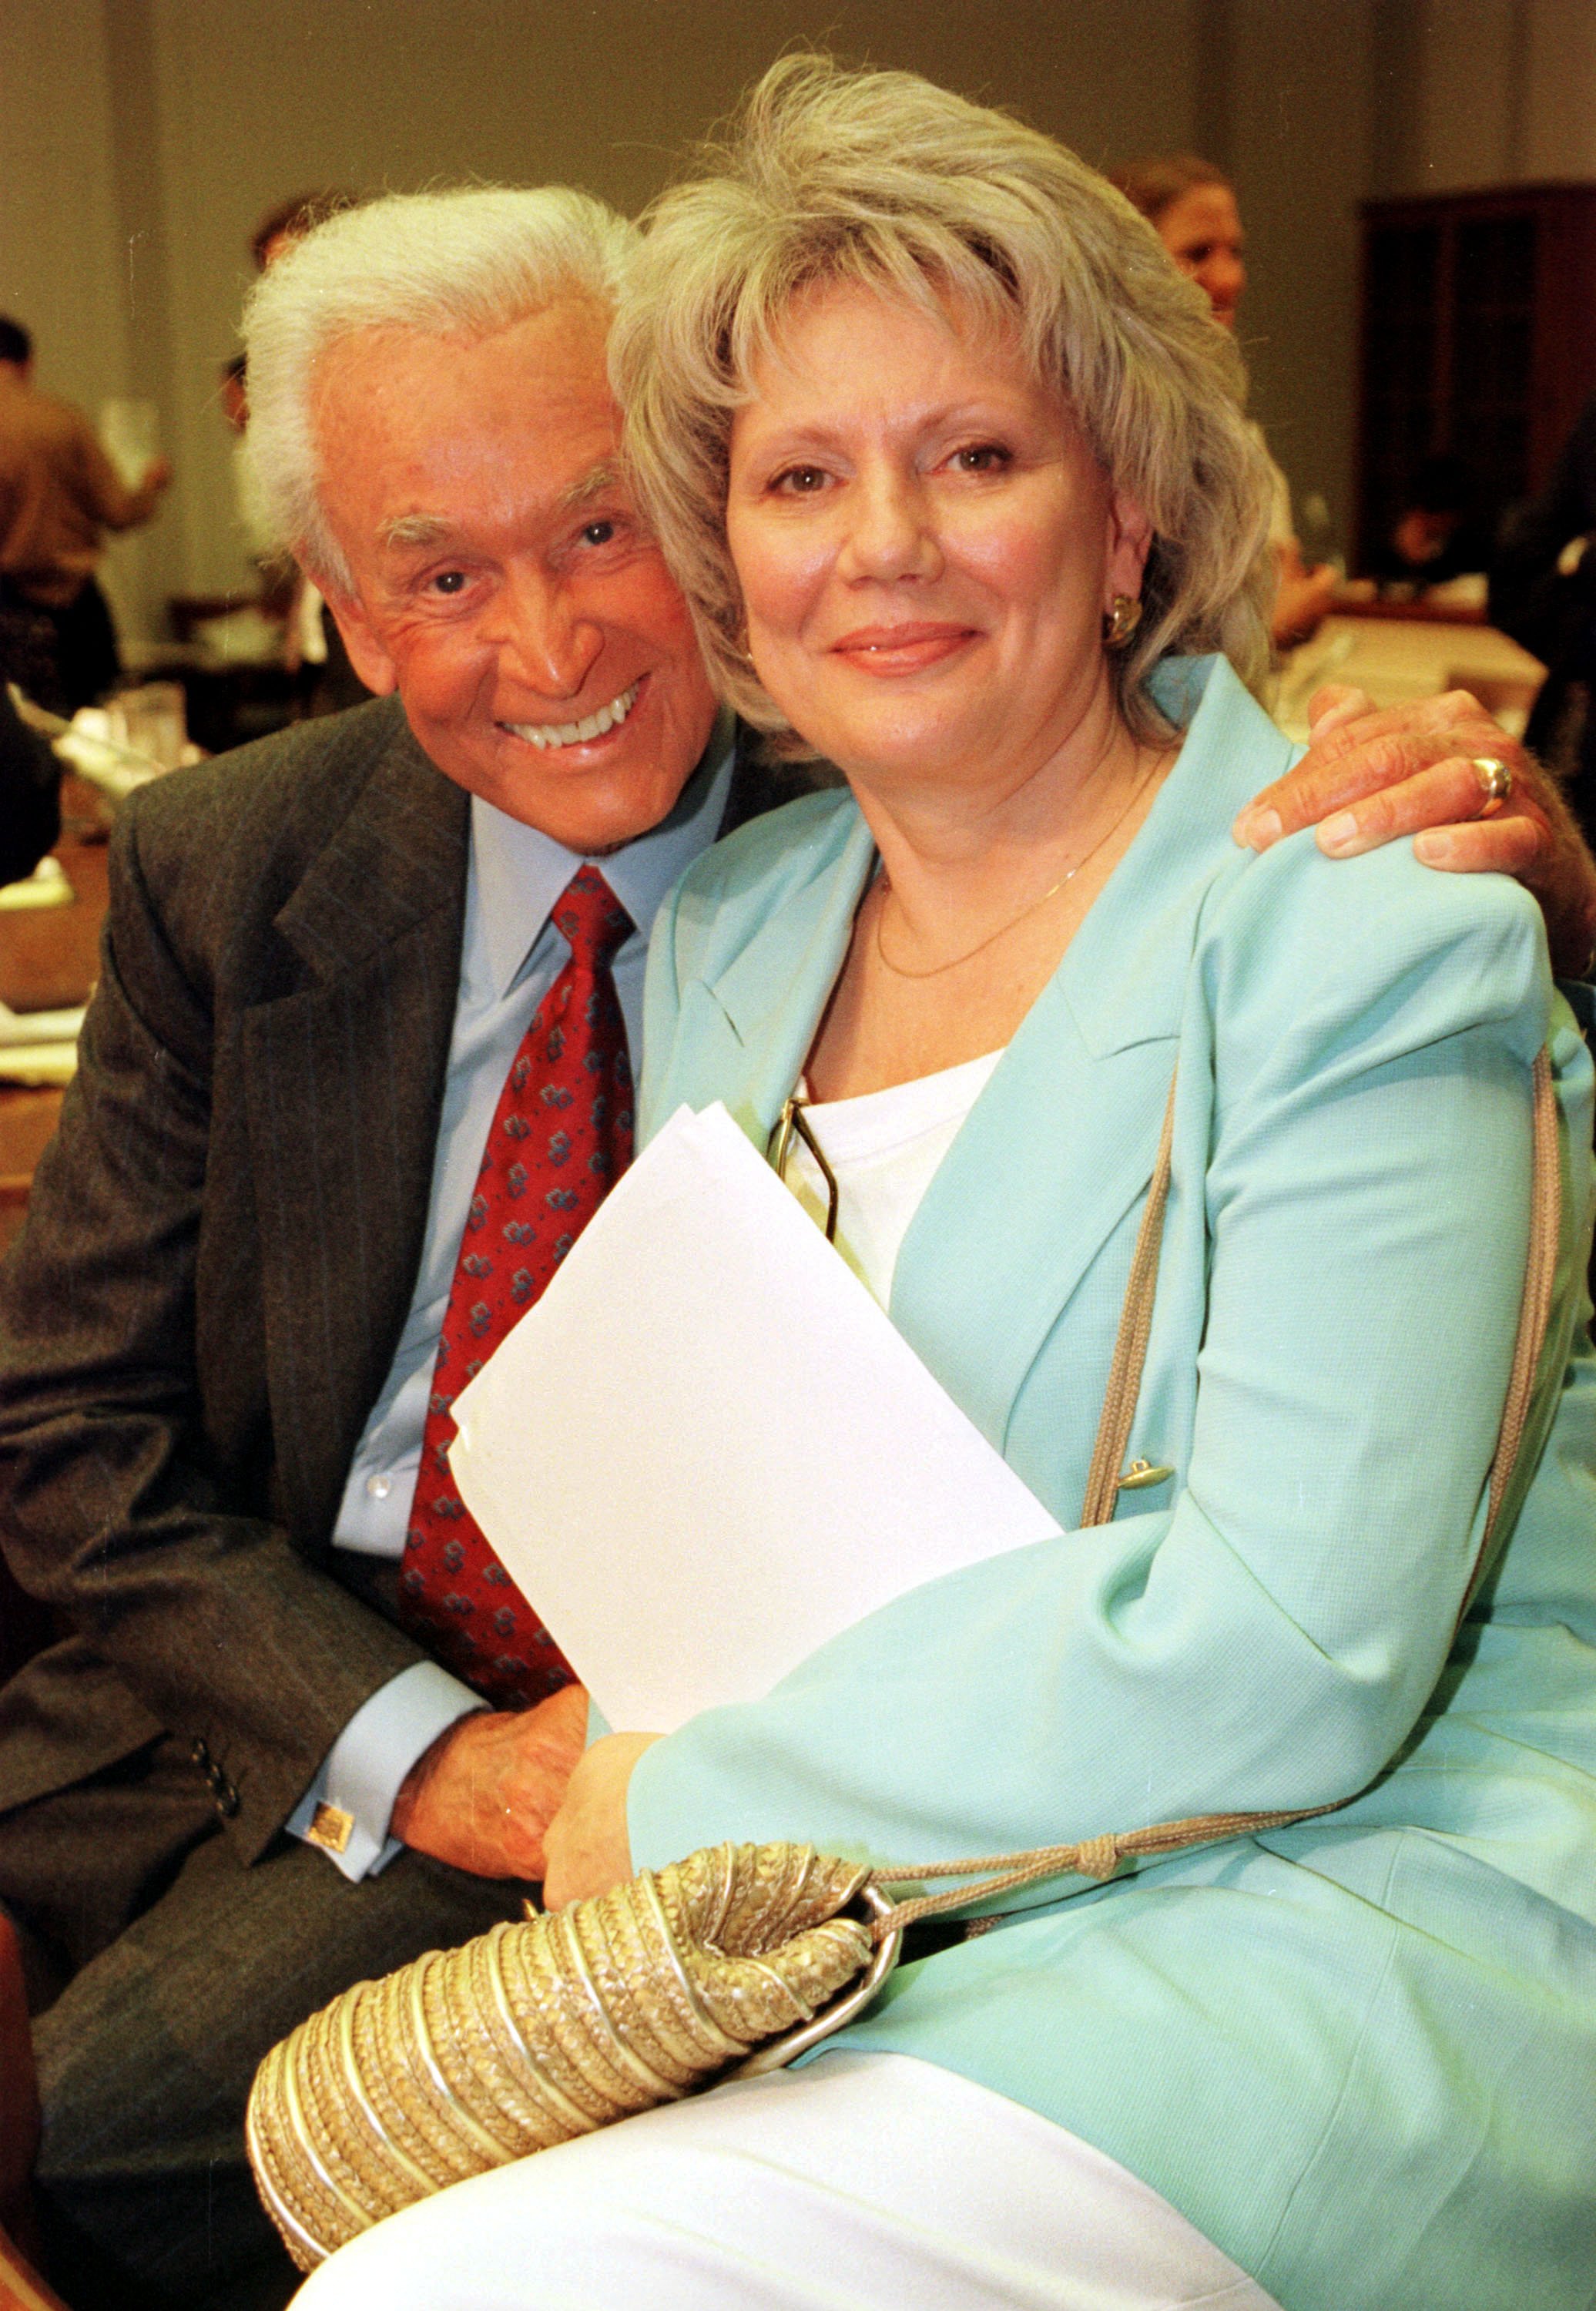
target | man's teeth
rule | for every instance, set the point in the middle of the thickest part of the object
(576, 734)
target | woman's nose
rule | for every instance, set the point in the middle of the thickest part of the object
(1225, 278)
(546, 640)
(891, 532)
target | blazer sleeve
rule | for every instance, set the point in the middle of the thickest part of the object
(115, 1505)
(1269, 1640)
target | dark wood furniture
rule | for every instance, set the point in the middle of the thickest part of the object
(1478, 340)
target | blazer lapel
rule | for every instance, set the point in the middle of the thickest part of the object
(749, 1024)
(1060, 1147)
(1055, 1151)
(343, 1078)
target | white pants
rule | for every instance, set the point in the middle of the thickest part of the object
(864, 2180)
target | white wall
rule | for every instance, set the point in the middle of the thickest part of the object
(1300, 115)
(1559, 125)
(141, 139)
(1503, 92)
(63, 262)
(307, 93)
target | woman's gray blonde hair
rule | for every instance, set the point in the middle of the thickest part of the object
(465, 263)
(882, 179)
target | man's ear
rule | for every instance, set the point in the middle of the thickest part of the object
(1130, 542)
(367, 654)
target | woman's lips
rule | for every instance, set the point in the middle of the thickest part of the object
(886, 650)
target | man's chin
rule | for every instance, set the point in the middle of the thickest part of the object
(593, 809)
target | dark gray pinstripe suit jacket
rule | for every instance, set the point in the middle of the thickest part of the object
(219, 1257)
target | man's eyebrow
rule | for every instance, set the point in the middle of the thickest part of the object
(596, 482)
(414, 530)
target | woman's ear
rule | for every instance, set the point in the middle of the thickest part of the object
(1130, 542)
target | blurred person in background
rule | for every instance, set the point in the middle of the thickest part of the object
(1192, 205)
(1543, 593)
(1437, 537)
(59, 492)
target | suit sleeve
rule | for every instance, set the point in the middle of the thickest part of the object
(1269, 1640)
(113, 1505)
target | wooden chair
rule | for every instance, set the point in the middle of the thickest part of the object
(21, 2287)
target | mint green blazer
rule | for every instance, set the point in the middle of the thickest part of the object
(1360, 2052)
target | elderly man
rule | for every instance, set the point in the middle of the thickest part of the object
(355, 1073)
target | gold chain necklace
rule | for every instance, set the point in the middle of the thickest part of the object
(1014, 921)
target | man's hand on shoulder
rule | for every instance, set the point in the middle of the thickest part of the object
(1369, 777)
(483, 1795)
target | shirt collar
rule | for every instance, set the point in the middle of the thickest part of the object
(516, 873)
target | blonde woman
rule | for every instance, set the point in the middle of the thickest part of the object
(1191, 206)
(952, 466)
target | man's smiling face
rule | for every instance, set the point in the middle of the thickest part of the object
(502, 582)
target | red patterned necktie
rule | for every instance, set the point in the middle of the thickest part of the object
(561, 1134)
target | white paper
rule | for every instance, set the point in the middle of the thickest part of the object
(706, 1449)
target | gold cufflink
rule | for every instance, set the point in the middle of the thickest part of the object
(330, 1828)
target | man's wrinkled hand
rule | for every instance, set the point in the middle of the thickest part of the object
(1369, 777)
(588, 1847)
(484, 1793)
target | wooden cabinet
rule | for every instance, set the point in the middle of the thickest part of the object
(1478, 340)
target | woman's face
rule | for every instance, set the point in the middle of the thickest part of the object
(1203, 233)
(926, 544)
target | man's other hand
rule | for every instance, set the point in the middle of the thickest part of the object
(1370, 776)
(485, 1792)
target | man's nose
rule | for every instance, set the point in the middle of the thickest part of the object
(546, 639)
(891, 530)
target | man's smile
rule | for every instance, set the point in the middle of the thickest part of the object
(576, 734)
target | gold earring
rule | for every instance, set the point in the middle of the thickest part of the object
(1120, 621)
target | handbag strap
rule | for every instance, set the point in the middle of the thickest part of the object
(1100, 1857)
(1130, 1342)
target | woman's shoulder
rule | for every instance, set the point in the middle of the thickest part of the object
(1302, 945)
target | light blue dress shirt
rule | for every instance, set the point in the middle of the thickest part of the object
(514, 877)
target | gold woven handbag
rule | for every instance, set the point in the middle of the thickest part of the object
(533, 2033)
(730, 1963)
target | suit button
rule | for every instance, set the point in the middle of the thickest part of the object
(227, 1798)
(198, 1752)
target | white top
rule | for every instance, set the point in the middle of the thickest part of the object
(885, 1148)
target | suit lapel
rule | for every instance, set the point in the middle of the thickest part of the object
(343, 1078)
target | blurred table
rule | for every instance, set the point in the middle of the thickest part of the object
(49, 961)
(1404, 655)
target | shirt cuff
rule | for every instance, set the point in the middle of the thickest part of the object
(348, 1807)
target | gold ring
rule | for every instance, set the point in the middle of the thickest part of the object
(1495, 783)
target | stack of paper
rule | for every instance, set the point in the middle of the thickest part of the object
(706, 1449)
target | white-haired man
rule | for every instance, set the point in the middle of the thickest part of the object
(335, 1122)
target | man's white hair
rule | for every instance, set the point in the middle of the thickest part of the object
(465, 263)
